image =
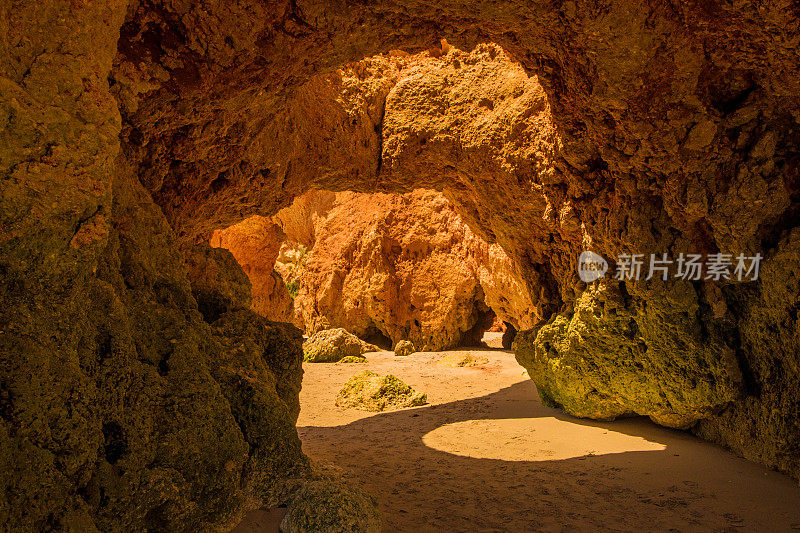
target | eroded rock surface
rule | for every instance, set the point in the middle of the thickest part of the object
(609, 360)
(333, 345)
(404, 348)
(369, 391)
(130, 130)
(331, 506)
(407, 267)
(255, 243)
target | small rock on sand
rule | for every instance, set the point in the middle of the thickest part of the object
(369, 391)
(404, 348)
(459, 359)
(332, 345)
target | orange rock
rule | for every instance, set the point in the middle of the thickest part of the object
(407, 267)
(255, 243)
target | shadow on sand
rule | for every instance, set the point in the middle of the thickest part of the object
(437, 468)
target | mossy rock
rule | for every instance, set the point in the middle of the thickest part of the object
(332, 507)
(460, 359)
(369, 391)
(333, 345)
(354, 359)
(404, 348)
(613, 357)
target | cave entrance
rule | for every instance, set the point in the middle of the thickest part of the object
(385, 267)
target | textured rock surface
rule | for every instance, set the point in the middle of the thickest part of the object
(761, 425)
(407, 267)
(608, 359)
(218, 284)
(332, 345)
(369, 391)
(255, 243)
(353, 359)
(333, 507)
(459, 359)
(629, 127)
(404, 348)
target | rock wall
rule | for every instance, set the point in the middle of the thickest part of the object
(130, 129)
(255, 243)
(407, 267)
(400, 266)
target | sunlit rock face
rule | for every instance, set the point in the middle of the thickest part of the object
(605, 360)
(407, 267)
(399, 266)
(255, 243)
(130, 129)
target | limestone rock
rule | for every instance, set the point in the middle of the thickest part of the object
(353, 359)
(129, 129)
(509, 335)
(332, 507)
(333, 345)
(403, 348)
(407, 267)
(369, 391)
(300, 220)
(218, 284)
(609, 359)
(255, 243)
(627, 128)
(461, 359)
(270, 349)
(769, 323)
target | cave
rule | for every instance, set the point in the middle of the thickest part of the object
(385, 267)
(629, 174)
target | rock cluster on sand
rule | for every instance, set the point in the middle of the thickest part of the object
(369, 391)
(403, 348)
(461, 359)
(333, 345)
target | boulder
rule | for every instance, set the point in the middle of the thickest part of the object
(332, 345)
(608, 359)
(403, 348)
(332, 507)
(353, 359)
(369, 391)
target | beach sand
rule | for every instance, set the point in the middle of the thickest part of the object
(486, 455)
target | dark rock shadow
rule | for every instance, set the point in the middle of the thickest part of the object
(687, 485)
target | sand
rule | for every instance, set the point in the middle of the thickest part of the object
(485, 455)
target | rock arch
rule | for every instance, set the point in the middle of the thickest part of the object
(132, 128)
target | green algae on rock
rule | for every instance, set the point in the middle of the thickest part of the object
(369, 391)
(610, 358)
(353, 359)
(331, 506)
(332, 345)
(404, 348)
(461, 359)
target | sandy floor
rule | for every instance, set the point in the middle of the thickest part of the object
(485, 455)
